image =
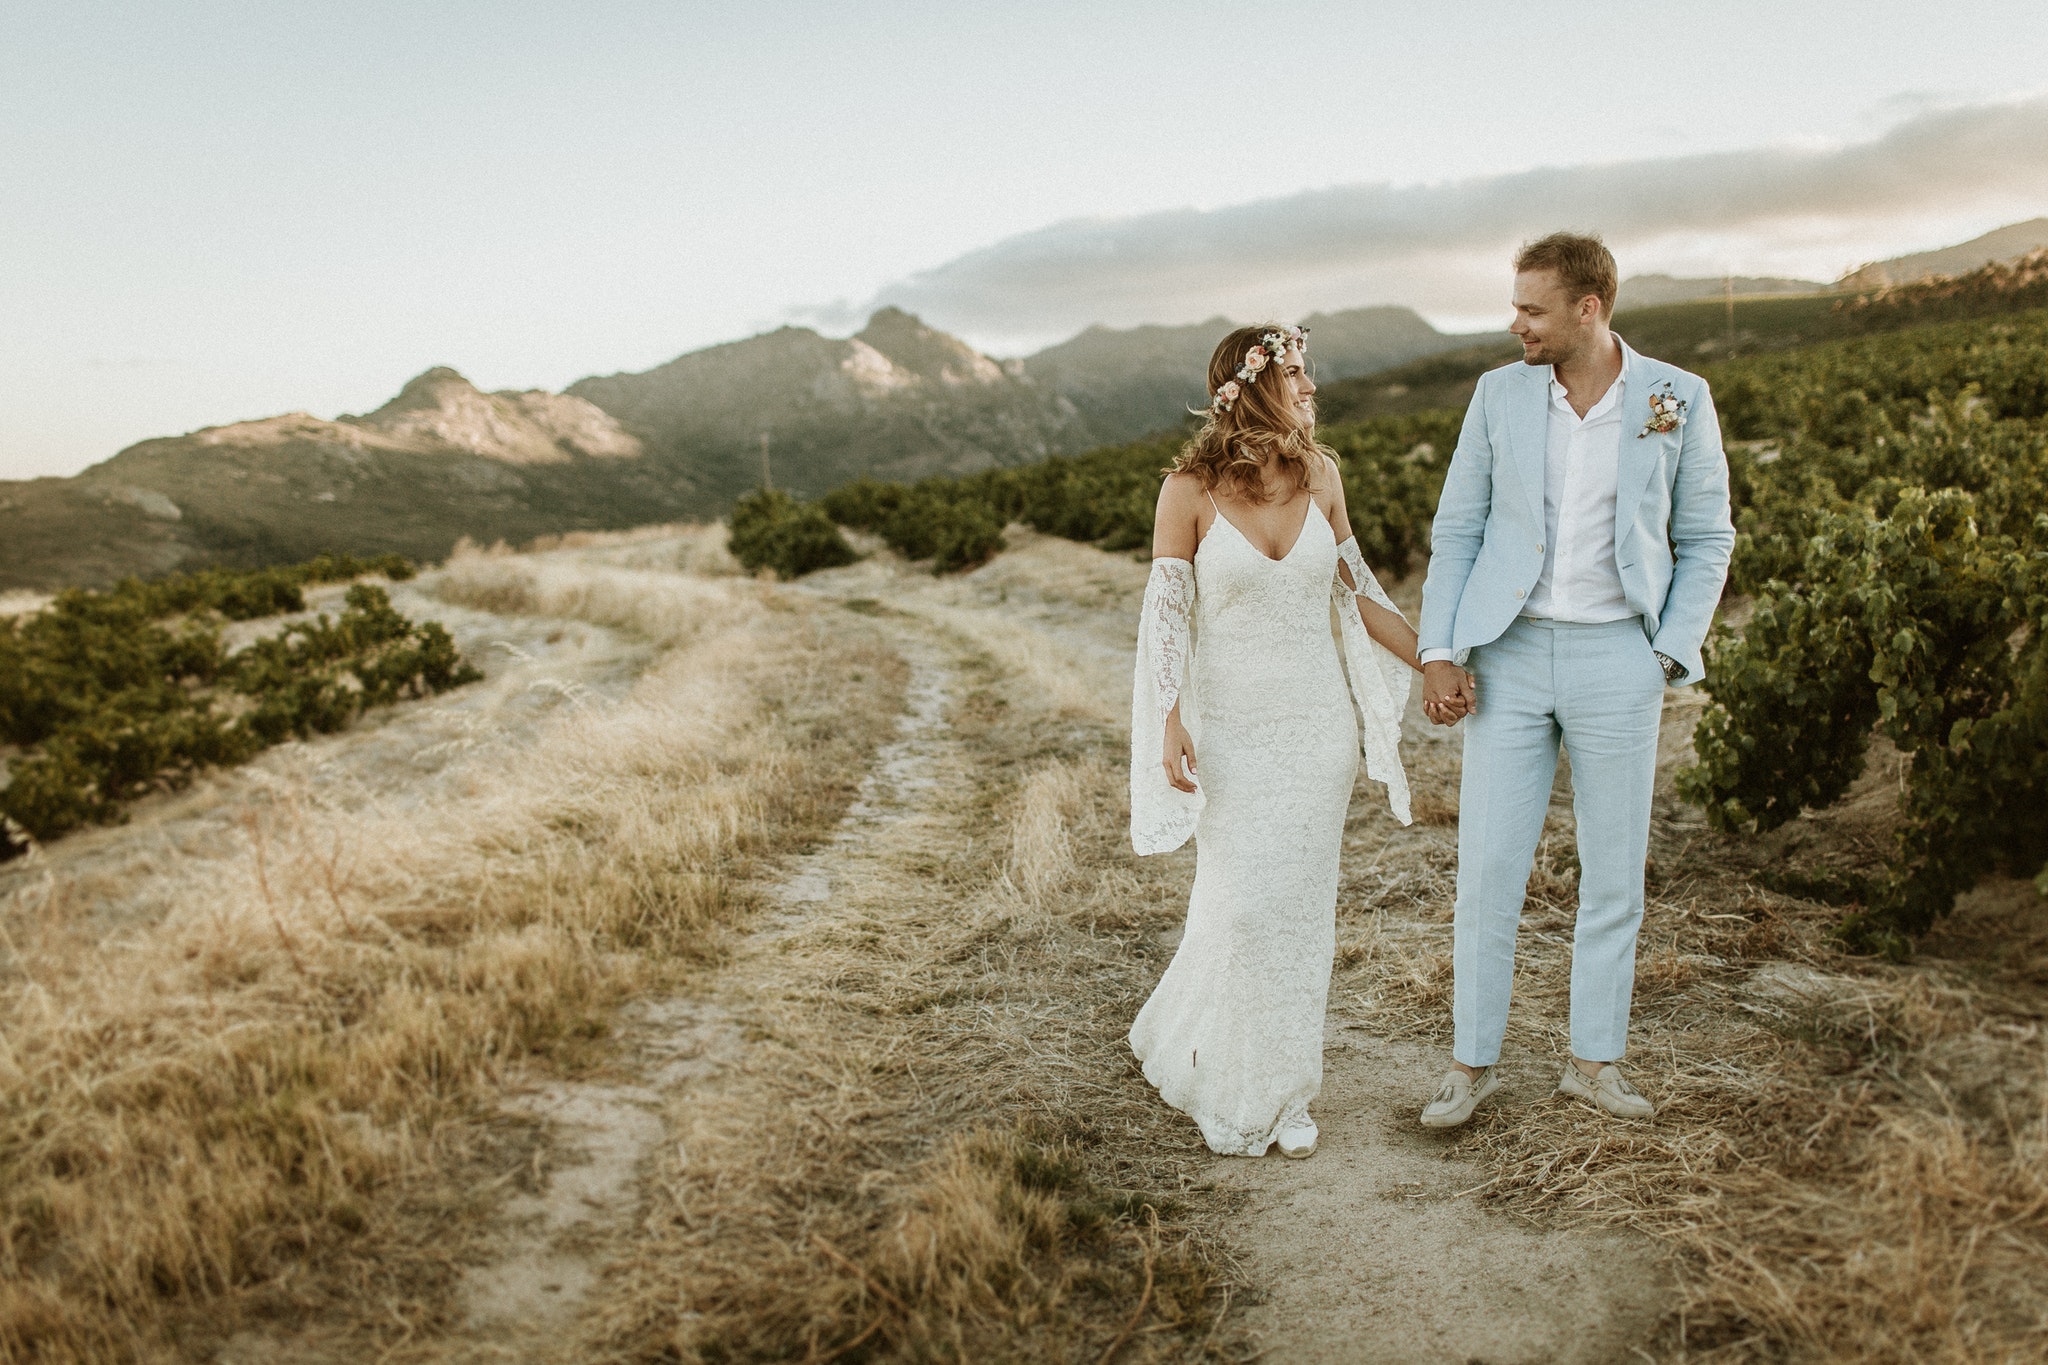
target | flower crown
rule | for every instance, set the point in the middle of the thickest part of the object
(1272, 345)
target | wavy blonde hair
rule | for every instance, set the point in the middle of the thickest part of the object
(1233, 444)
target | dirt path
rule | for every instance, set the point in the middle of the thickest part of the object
(874, 1102)
(1371, 1250)
(683, 1057)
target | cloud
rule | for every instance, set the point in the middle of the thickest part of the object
(1443, 248)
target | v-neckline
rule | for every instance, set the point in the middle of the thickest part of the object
(1306, 514)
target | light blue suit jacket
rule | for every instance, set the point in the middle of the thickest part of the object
(1672, 533)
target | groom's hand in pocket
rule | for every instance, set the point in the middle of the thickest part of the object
(1449, 693)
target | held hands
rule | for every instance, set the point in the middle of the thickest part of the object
(1449, 693)
(1180, 747)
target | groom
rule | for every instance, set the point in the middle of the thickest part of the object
(1576, 560)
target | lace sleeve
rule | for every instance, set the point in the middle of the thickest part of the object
(1379, 681)
(1169, 621)
(1364, 583)
(1162, 818)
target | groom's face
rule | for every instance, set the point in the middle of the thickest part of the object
(1552, 326)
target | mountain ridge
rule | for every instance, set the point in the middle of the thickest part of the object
(897, 400)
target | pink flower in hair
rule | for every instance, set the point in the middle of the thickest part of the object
(1228, 393)
(1255, 359)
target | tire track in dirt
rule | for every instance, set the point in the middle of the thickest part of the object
(671, 1054)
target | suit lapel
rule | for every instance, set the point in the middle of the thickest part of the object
(1640, 454)
(1529, 435)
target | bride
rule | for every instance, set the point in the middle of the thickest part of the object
(1237, 662)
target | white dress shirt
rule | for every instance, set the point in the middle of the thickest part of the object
(1580, 581)
(1581, 467)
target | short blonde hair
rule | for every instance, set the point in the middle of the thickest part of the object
(1582, 264)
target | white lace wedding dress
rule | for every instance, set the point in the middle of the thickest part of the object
(1233, 1035)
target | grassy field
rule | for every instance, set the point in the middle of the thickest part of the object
(740, 972)
(251, 1038)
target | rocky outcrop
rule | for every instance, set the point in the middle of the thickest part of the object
(442, 409)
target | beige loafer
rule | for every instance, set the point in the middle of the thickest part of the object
(1607, 1088)
(1458, 1096)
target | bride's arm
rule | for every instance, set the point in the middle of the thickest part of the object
(1391, 630)
(1376, 612)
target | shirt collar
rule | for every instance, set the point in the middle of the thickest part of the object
(1608, 401)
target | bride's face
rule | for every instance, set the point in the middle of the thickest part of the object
(1294, 373)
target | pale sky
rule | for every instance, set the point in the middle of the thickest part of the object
(217, 211)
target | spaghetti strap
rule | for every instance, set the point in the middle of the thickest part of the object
(1212, 503)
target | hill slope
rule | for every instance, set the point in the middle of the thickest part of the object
(899, 400)
(443, 460)
(2005, 244)
(440, 461)
(1647, 291)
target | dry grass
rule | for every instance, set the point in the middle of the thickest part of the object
(274, 1084)
(652, 601)
(937, 1147)
(691, 548)
(265, 1097)
(1041, 853)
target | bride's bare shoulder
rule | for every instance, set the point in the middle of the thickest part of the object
(1329, 486)
(1182, 491)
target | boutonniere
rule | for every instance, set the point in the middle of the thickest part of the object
(1667, 412)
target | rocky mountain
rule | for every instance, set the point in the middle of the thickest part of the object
(439, 461)
(2006, 244)
(898, 400)
(444, 460)
(1126, 382)
(442, 411)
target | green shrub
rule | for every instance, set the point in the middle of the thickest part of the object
(115, 694)
(866, 504)
(1393, 469)
(771, 530)
(965, 534)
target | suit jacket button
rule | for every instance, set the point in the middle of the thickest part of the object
(1539, 549)
(1519, 592)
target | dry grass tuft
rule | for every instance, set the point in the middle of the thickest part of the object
(286, 1058)
(659, 605)
(1041, 854)
(691, 548)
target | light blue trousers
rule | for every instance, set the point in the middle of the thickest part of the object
(1600, 690)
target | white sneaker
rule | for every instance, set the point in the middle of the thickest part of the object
(1298, 1139)
(1458, 1096)
(1607, 1088)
